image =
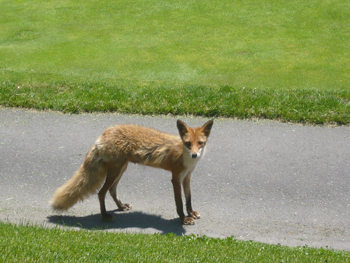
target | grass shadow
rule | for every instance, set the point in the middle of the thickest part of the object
(123, 220)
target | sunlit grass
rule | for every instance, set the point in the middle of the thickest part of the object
(297, 105)
(286, 60)
(36, 244)
(264, 44)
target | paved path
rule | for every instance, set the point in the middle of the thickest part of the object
(263, 181)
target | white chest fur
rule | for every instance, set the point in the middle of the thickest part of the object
(190, 163)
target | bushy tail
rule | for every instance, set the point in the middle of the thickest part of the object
(85, 182)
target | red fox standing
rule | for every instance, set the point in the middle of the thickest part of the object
(107, 160)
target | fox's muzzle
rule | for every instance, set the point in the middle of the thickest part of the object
(194, 155)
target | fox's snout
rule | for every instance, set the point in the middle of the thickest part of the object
(195, 153)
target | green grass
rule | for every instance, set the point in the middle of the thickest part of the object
(36, 244)
(273, 44)
(286, 60)
(296, 105)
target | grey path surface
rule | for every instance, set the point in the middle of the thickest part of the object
(263, 181)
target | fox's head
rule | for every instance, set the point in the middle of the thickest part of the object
(194, 139)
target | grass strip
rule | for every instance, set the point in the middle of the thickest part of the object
(37, 244)
(267, 43)
(179, 57)
(289, 105)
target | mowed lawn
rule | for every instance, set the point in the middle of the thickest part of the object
(253, 44)
(26, 243)
(285, 60)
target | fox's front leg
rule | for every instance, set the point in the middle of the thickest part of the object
(178, 200)
(187, 189)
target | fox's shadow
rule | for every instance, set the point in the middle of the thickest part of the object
(121, 221)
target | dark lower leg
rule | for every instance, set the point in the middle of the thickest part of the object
(121, 206)
(113, 191)
(187, 190)
(102, 195)
(179, 206)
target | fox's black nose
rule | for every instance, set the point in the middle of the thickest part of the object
(194, 155)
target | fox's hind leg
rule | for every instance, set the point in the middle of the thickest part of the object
(114, 172)
(113, 191)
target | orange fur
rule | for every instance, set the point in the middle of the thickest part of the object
(108, 158)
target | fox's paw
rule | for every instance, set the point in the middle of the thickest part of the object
(194, 215)
(107, 217)
(125, 207)
(188, 221)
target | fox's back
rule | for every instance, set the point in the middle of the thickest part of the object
(135, 135)
(139, 144)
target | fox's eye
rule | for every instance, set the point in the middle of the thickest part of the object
(188, 144)
(200, 143)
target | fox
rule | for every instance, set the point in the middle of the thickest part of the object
(108, 158)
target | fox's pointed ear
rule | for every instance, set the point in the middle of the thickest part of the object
(207, 127)
(182, 127)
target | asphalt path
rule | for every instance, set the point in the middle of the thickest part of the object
(259, 180)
